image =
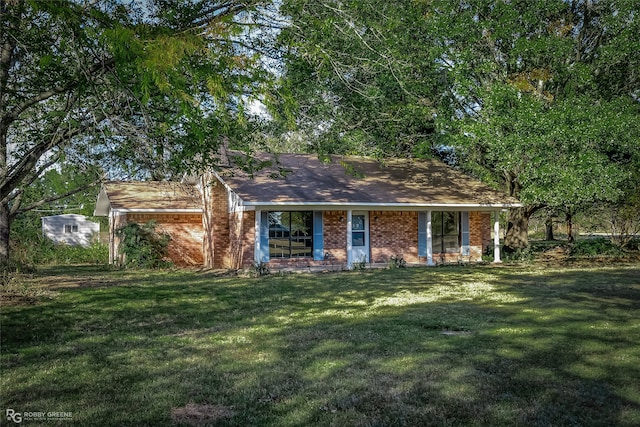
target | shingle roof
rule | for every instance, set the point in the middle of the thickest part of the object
(290, 179)
(305, 179)
(149, 195)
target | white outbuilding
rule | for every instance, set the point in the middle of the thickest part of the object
(70, 229)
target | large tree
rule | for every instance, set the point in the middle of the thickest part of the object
(543, 99)
(360, 76)
(539, 98)
(141, 88)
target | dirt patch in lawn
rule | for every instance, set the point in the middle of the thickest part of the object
(60, 282)
(556, 255)
(561, 256)
(200, 415)
(8, 299)
(22, 289)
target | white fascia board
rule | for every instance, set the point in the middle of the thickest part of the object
(226, 186)
(381, 206)
(158, 210)
(235, 202)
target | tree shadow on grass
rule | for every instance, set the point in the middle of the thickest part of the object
(538, 348)
(491, 376)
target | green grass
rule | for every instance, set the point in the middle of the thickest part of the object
(441, 346)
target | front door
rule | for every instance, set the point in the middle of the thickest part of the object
(360, 237)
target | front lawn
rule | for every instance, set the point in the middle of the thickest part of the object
(440, 346)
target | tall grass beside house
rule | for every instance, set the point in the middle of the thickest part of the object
(30, 249)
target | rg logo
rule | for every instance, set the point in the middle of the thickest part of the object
(14, 416)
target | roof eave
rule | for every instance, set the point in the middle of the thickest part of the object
(156, 210)
(383, 206)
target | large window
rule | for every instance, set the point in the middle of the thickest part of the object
(290, 234)
(445, 229)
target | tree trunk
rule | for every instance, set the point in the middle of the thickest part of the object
(5, 224)
(548, 225)
(517, 229)
(569, 228)
(208, 246)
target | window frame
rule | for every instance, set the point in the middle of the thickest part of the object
(307, 238)
(70, 228)
(439, 233)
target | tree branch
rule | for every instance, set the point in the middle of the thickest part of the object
(93, 71)
(54, 198)
(29, 161)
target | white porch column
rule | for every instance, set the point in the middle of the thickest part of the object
(349, 238)
(112, 243)
(429, 240)
(256, 248)
(496, 237)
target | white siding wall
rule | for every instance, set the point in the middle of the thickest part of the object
(70, 229)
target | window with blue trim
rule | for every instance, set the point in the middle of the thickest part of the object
(291, 234)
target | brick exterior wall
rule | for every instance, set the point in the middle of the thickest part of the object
(230, 236)
(393, 234)
(476, 246)
(184, 229)
(487, 227)
(236, 222)
(335, 235)
(216, 222)
(242, 237)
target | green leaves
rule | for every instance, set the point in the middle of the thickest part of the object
(361, 75)
(144, 89)
(143, 246)
(530, 106)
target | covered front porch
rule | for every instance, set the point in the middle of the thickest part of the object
(315, 236)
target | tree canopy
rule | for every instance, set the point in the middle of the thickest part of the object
(539, 98)
(362, 75)
(140, 88)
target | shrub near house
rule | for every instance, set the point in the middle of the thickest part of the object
(143, 246)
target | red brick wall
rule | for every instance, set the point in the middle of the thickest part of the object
(231, 235)
(393, 234)
(242, 226)
(335, 235)
(216, 220)
(475, 235)
(185, 230)
(487, 226)
(236, 221)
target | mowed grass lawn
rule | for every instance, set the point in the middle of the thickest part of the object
(442, 346)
